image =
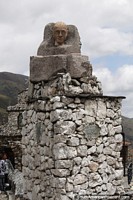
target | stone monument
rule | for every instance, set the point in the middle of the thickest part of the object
(59, 52)
(71, 134)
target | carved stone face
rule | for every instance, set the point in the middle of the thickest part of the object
(60, 32)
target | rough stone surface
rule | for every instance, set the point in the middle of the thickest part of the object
(71, 162)
(42, 68)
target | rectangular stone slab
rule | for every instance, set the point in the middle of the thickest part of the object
(74, 65)
(42, 68)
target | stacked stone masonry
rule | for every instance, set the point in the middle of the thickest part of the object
(71, 133)
(71, 144)
(10, 133)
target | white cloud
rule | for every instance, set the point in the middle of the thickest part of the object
(118, 83)
(105, 28)
(125, 78)
(107, 41)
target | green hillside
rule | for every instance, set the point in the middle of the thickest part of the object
(127, 124)
(10, 85)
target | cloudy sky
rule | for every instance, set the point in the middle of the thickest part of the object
(106, 31)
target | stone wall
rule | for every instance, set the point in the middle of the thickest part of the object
(71, 145)
(10, 133)
(71, 133)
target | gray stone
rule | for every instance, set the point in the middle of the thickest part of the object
(79, 179)
(107, 151)
(74, 90)
(60, 139)
(111, 129)
(88, 119)
(119, 173)
(94, 180)
(43, 68)
(91, 150)
(100, 148)
(111, 160)
(67, 100)
(82, 150)
(91, 131)
(61, 151)
(61, 172)
(111, 189)
(101, 158)
(78, 115)
(35, 191)
(86, 161)
(77, 160)
(74, 141)
(110, 113)
(101, 112)
(91, 143)
(58, 105)
(85, 171)
(118, 129)
(61, 197)
(118, 138)
(76, 170)
(65, 127)
(63, 164)
(74, 66)
(55, 99)
(69, 187)
(60, 114)
(91, 107)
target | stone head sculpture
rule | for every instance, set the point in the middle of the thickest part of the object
(59, 38)
(60, 32)
(59, 52)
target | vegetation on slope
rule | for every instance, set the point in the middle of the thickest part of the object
(127, 124)
(10, 85)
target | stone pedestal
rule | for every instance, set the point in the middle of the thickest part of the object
(44, 68)
(71, 133)
(72, 148)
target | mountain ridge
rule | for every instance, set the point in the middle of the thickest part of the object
(10, 85)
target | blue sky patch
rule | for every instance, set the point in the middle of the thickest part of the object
(112, 61)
